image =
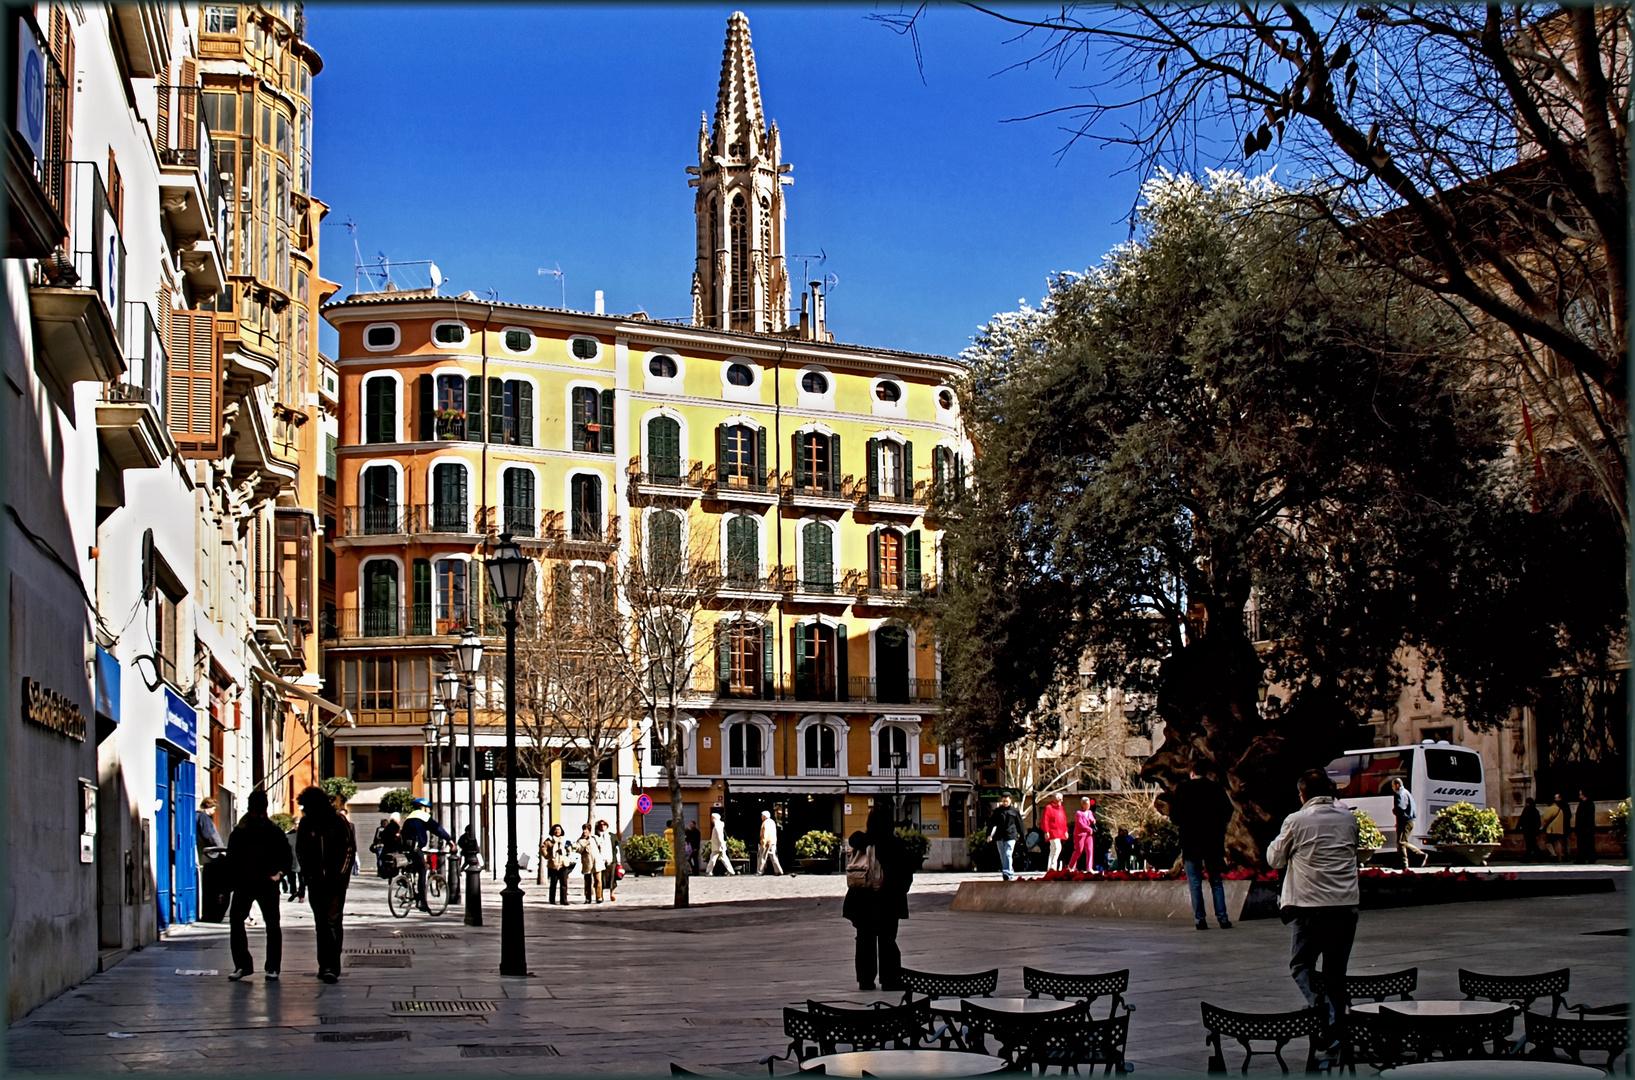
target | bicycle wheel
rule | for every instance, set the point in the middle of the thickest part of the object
(400, 895)
(436, 894)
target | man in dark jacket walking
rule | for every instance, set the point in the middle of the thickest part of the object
(257, 857)
(1584, 828)
(1200, 809)
(875, 912)
(1004, 829)
(1529, 825)
(326, 846)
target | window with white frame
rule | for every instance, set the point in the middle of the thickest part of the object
(746, 752)
(380, 409)
(820, 750)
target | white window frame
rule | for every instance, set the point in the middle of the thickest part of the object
(575, 358)
(608, 508)
(760, 542)
(397, 336)
(874, 647)
(402, 583)
(898, 408)
(834, 723)
(911, 764)
(834, 546)
(653, 774)
(658, 384)
(686, 445)
(533, 340)
(397, 410)
(686, 527)
(539, 491)
(567, 414)
(449, 556)
(750, 393)
(805, 399)
(756, 719)
(465, 338)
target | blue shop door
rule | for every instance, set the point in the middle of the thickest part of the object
(186, 849)
(162, 846)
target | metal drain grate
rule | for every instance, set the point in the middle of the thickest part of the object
(397, 1035)
(379, 952)
(371, 1018)
(400, 960)
(443, 1006)
(539, 1050)
(431, 937)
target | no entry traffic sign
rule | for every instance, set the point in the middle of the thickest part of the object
(644, 804)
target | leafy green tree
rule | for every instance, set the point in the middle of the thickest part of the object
(1222, 409)
(397, 801)
(343, 786)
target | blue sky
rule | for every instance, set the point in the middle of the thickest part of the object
(498, 140)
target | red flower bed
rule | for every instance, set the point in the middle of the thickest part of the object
(1408, 877)
(1146, 875)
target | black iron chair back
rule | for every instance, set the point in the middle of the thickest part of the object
(980, 984)
(1067, 1042)
(1112, 984)
(902, 1027)
(1379, 987)
(1011, 1031)
(1279, 1029)
(1519, 990)
(1548, 1036)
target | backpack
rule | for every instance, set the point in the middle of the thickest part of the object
(863, 870)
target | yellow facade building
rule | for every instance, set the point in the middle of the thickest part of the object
(805, 466)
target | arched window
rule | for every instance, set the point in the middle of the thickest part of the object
(380, 511)
(744, 748)
(449, 595)
(517, 488)
(820, 661)
(380, 409)
(451, 407)
(741, 455)
(663, 542)
(664, 449)
(743, 549)
(894, 561)
(744, 659)
(380, 598)
(891, 468)
(739, 302)
(893, 748)
(819, 750)
(593, 419)
(891, 660)
(817, 461)
(817, 571)
(586, 494)
(448, 492)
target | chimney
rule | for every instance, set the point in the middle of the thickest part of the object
(599, 310)
(819, 330)
(804, 331)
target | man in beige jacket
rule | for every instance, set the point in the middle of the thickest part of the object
(1317, 852)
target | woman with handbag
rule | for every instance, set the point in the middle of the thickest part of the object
(611, 870)
(591, 864)
(556, 852)
(878, 877)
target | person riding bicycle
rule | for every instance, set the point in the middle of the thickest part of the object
(418, 829)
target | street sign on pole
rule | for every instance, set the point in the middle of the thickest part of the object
(644, 805)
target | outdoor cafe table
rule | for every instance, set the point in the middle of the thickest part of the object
(1492, 1069)
(1436, 1008)
(905, 1063)
(1020, 1006)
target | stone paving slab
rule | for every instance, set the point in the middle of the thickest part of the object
(629, 986)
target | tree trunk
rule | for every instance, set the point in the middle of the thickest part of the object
(544, 772)
(678, 831)
(1209, 703)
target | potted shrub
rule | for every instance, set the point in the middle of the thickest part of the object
(916, 844)
(984, 855)
(343, 786)
(737, 854)
(397, 801)
(815, 852)
(1619, 828)
(285, 822)
(1160, 842)
(647, 853)
(1469, 835)
(1369, 837)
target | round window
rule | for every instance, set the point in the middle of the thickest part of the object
(815, 382)
(585, 348)
(519, 340)
(380, 337)
(888, 391)
(661, 366)
(740, 375)
(945, 398)
(449, 333)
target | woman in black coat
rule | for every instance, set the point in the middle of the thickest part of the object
(875, 912)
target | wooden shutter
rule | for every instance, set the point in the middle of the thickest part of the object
(421, 617)
(743, 548)
(760, 457)
(427, 430)
(831, 483)
(939, 467)
(723, 656)
(663, 541)
(842, 667)
(187, 107)
(496, 411)
(911, 559)
(874, 559)
(525, 413)
(905, 479)
(474, 408)
(191, 410)
(721, 453)
(803, 475)
(664, 447)
(561, 593)
(803, 666)
(818, 545)
(874, 468)
(766, 664)
(606, 441)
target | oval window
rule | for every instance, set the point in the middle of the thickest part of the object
(661, 366)
(945, 398)
(815, 382)
(380, 337)
(888, 391)
(585, 348)
(449, 333)
(519, 340)
(740, 375)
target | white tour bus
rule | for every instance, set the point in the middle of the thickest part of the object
(1438, 774)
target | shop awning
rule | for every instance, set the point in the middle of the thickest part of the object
(884, 785)
(792, 785)
(302, 692)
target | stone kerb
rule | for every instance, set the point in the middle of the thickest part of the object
(1100, 899)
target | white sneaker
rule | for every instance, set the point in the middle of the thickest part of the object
(272, 976)
(238, 974)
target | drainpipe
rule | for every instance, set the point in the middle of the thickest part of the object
(777, 507)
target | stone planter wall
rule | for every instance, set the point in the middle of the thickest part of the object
(1159, 900)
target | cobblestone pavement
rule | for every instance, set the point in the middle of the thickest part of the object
(629, 986)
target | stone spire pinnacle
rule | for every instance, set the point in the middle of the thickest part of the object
(740, 122)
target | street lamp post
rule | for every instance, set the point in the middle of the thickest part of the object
(897, 787)
(508, 576)
(434, 734)
(448, 691)
(469, 656)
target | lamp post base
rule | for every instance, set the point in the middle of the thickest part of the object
(474, 899)
(513, 953)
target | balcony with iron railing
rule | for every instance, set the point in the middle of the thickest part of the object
(278, 624)
(666, 479)
(401, 621)
(77, 294)
(36, 172)
(131, 424)
(823, 687)
(731, 487)
(900, 499)
(819, 490)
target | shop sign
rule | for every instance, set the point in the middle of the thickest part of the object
(51, 710)
(108, 675)
(893, 718)
(181, 722)
(29, 121)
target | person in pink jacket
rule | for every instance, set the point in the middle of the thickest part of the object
(1084, 836)
(1054, 824)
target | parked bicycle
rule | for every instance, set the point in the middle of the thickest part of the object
(403, 885)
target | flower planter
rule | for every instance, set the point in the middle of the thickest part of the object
(739, 866)
(1366, 855)
(1468, 854)
(816, 866)
(646, 867)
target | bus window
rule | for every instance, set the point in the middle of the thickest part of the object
(1458, 766)
(1342, 770)
(1374, 777)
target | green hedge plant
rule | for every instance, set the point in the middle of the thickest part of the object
(343, 786)
(1620, 821)
(1368, 833)
(397, 801)
(647, 847)
(1462, 823)
(286, 822)
(915, 842)
(736, 848)
(817, 844)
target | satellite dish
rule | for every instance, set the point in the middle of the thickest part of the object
(436, 276)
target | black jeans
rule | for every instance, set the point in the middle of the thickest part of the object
(328, 906)
(559, 884)
(1324, 933)
(264, 896)
(877, 952)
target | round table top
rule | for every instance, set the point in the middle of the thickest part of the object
(906, 1063)
(1025, 1006)
(1492, 1067)
(1436, 1008)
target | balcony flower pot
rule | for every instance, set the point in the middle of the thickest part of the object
(739, 866)
(1468, 854)
(1365, 855)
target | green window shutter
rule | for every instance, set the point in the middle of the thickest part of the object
(607, 422)
(743, 548)
(421, 619)
(723, 655)
(818, 544)
(911, 558)
(474, 408)
(496, 411)
(802, 476)
(874, 468)
(766, 662)
(427, 431)
(664, 447)
(842, 665)
(721, 452)
(803, 666)
(508, 483)
(832, 481)
(663, 542)
(561, 593)
(874, 559)
(525, 413)
(760, 457)
(582, 400)
(939, 467)
(905, 481)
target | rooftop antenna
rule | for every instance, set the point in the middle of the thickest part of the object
(806, 264)
(436, 278)
(562, 279)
